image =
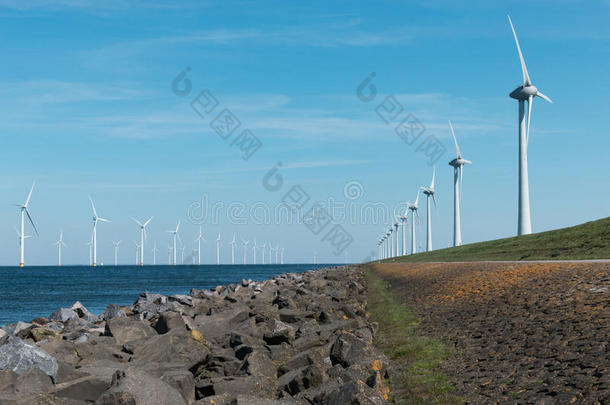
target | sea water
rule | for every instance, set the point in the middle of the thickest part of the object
(30, 292)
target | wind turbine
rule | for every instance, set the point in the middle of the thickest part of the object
(137, 252)
(175, 233)
(315, 258)
(60, 242)
(413, 209)
(282, 257)
(90, 244)
(277, 251)
(396, 234)
(254, 247)
(116, 251)
(458, 166)
(233, 250)
(525, 92)
(169, 254)
(270, 253)
(263, 252)
(154, 252)
(96, 219)
(429, 192)
(142, 236)
(24, 211)
(245, 242)
(403, 220)
(198, 240)
(218, 249)
(182, 255)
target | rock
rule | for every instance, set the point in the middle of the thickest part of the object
(175, 347)
(86, 388)
(280, 333)
(182, 381)
(39, 334)
(133, 386)
(259, 363)
(2, 333)
(221, 324)
(348, 350)
(351, 393)
(83, 313)
(125, 330)
(63, 315)
(168, 321)
(62, 350)
(250, 400)
(223, 399)
(21, 329)
(26, 388)
(259, 386)
(18, 356)
(182, 299)
(113, 311)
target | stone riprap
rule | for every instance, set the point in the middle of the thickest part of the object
(293, 339)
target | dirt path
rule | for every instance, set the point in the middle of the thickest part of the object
(522, 332)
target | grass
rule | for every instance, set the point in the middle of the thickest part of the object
(416, 376)
(590, 240)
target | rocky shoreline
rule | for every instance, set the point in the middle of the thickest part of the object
(293, 339)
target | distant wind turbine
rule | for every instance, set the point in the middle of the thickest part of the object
(458, 172)
(25, 211)
(218, 249)
(254, 247)
(277, 251)
(282, 257)
(233, 250)
(142, 236)
(198, 240)
(90, 244)
(96, 219)
(137, 252)
(413, 209)
(403, 220)
(116, 252)
(175, 234)
(270, 253)
(315, 258)
(526, 92)
(60, 242)
(429, 193)
(245, 243)
(154, 252)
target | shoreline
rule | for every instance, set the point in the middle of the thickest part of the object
(293, 338)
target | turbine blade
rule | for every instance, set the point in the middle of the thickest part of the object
(17, 231)
(457, 148)
(147, 222)
(526, 76)
(433, 174)
(178, 226)
(31, 221)
(136, 221)
(93, 206)
(530, 101)
(539, 94)
(103, 219)
(27, 201)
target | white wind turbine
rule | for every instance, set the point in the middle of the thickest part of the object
(277, 252)
(142, 236)
(458, 171)
(137, 252)
(403, 220)
(182, 255)
(315, 257)
(116, 252)
(525, 92)
(154, 252)
(270, 253)
(90, 244)
(169, 254)
(254, 247)
(175, 234)
(96, 219)
(233, 250)
(429, 192)
(24, 211)
(263, 253)
(396, 239)
(282, 257)
(413, 209)
(218, 249)
(60, 243)
(198, 240)
(245, 243)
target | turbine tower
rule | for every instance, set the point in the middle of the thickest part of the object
(403, 219)
(60, 242)
(142, 236)
(263, 253)
(96, 219)
(198, 240)
(282, 257)
(137, 252)
(429, 192)
(245, 242)
(24, 211)
(270, 253)
(396, 239)
(175, 233)
(277, 252)
(116, 251)
(90, 244)
(525, 92)
(233, 250)
(254, 247)
(413, 209)
(458, 171)
(154, 252)
(218, 249)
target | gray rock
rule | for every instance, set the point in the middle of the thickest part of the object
(176, 347)
(18, 356)
(259, 386)
(348, 350)
(182, 299)
(83, 313)
(113, 311)
(280, 333)
(63, 315)
(86, 388)
(125, 330)
(168, 321)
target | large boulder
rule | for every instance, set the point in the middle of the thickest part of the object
(125, 330)
(19, 356)
(132, 386)
(258, 386)
(348, 350)
(169, 321)
(280, 333)
(83, 313)
(178, 346)
(221, 324)
(113, 311)
(63, 315)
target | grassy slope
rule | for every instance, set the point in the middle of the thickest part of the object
(590, 240)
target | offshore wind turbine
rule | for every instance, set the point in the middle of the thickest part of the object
(182, 255)
(277, 251)
(458, 171)
(270, 253)
(23, 208)
(254, 247)
(90, 244)
(218, 249)
(429, 193)
(245, 242)
(142, 236)
(116, 251)
(263, 253)
(96, 219)
(526, 92)
(154, 252)
(60, 242)
(137, 252)
(233, 250)
(282, 257)
(198, 240)
(175, 234)
(413, 209)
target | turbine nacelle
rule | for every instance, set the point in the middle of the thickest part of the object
(458, 162)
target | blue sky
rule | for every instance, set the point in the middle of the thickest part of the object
(87, 108)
